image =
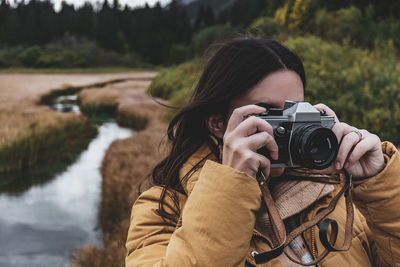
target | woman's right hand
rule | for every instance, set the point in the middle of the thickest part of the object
(243, 137)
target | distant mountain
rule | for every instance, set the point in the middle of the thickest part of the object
(192, 6)
(185, 2)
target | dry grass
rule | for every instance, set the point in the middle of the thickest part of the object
(127, 163)
(125, 167)
(127, 101)
(19, 94)
(28, 131)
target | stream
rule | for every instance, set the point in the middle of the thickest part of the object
(44, 224)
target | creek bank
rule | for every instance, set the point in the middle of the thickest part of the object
(41, 226)
(62, 213)
(42, 152)
(125, 170)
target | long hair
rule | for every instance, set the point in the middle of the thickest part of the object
(236, 66)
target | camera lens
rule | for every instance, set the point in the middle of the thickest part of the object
(314, 147)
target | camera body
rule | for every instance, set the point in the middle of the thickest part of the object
(303, 135)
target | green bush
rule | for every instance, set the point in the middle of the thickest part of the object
(174, 79)
(61, 59)
(175, 84)
(265, 26)
(29, 56)
(362, 86)
(347, 24)
(71, 54)
(3, 63)
(10, 55)
(208, 35)
(179, 53)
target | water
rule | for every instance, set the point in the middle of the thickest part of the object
(66, 103)
(41, 226)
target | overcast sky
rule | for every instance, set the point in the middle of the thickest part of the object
(132, 3)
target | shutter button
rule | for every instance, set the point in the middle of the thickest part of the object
(280, 130)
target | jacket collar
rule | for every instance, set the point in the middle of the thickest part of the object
(188, 177)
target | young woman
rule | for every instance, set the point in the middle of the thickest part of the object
(206, 207)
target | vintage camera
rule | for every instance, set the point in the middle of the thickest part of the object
(303, 135)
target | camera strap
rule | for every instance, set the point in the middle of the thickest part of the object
(282, 239)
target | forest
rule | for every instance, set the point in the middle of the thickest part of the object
(33, 34)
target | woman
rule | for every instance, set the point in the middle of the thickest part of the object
(206, 207)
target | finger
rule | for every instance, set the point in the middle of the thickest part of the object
(347, 144)
(240, 114)
(265, 164)
(363, 147)
(252, 125)
(328, 111)
(262, 139)
(341, 129)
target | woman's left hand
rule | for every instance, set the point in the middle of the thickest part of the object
(360, 152)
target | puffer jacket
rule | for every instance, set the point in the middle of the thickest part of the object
(218, 212)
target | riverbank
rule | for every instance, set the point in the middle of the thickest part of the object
(125, 170)
(33, 135)
(127, 162)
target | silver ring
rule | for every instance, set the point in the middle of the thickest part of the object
(360, 135)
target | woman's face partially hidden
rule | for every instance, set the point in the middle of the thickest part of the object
(273, 90)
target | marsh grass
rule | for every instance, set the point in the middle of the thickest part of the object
(42, 145)
(15, 183)
(125, 169)
(37, 142)
(48, 99)
(133, 117)
(123, 101)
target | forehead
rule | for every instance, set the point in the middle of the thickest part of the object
(273, 90)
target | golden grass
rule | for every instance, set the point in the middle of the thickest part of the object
(19, 94)
(127, 101)
(127, 162)
(97, 97)
(35, 136)
(23, 120)
(126, 166)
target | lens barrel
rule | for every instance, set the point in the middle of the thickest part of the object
(313, 147)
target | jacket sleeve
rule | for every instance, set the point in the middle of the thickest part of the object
(217, 223)
(378, 199)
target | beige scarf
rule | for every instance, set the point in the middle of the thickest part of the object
(291, 197)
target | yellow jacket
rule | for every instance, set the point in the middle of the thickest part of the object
(217, 217)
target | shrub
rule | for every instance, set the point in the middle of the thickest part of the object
(208, 35)
(174, 79)
(3, 63)
(178, 53)
(30, 56)
(362, 86)
(265, 26)
(347, 24)
(61, 59)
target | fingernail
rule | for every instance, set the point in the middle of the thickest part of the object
(347, 165)
(338, 165)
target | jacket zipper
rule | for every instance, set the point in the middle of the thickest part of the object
(313, 249)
